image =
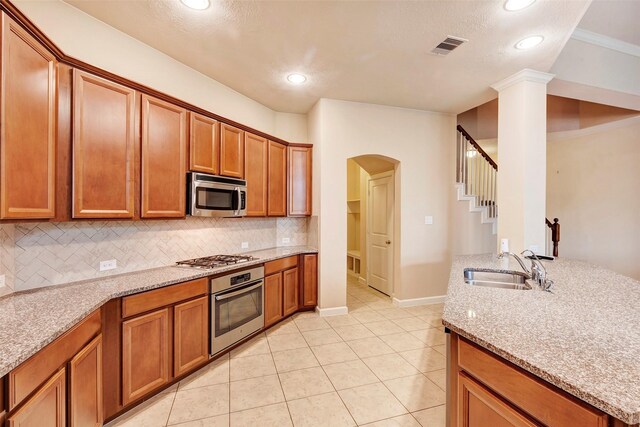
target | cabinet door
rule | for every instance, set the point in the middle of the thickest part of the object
(231, 151)
(190, 335)
(310, 280)
(277, 197)
(478, 407)
(272, 299)
(256, 164)
(103, 148)
(85, 386)
(290, 289)
(300, 181)
(204, 144)
(145, 354)
(47, 406)
(164, 145)
(27, 126)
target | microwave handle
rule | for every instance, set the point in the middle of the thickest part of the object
(239, 192)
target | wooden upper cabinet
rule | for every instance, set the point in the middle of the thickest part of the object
(277, 195)
(204, 144)
(85, 386)
(145, 354)
(164, 147)
(256, 164)
(231, 151)
(190, 335)
(27, 126)
(47, 407)
(300, 162)
(104, 140)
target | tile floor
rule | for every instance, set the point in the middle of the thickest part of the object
(377, 366)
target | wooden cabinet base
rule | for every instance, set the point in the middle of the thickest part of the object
(85, 386)
(485, 389)
(46, 408)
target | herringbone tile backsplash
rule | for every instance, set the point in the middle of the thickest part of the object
(33, 255)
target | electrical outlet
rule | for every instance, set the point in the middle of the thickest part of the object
(244, 245)
(535, 249)
(428, 220)
(108, 265)
(286, 240)
(2, 281)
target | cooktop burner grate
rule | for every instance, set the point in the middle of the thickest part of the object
(216, 261)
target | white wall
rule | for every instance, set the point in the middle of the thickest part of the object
(424, 144)
(88, 39)
(593, 182)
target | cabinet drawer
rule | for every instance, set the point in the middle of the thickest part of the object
(545, 403)
(280, 264)
(31, 374)
(146, 301)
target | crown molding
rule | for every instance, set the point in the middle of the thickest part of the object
(526, 75)
(606, 42)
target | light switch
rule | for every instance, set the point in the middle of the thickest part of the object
(244, 245)
(428, 220)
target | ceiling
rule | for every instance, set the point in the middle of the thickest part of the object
(617, 19)
(365, 51)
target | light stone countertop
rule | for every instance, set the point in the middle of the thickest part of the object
(32, 319)
(584, 337)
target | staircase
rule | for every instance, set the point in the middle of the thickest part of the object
(476, 182)
(476, 178)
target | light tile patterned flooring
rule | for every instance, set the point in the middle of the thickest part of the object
(377, 366)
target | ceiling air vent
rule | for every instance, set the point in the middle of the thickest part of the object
(447, 45)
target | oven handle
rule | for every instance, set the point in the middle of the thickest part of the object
(238, 292)
(239, 200)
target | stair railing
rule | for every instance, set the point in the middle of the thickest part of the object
(477, 171)
(555, 234)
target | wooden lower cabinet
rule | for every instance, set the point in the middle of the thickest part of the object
(145, 354)
(290, 291)
(46, 408)
(272, 299)
(479, 407)
(85, 386)
(190, 335)
(486, 390)
(310, 280)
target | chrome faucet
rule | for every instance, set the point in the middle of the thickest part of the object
(507, 254)
(538, 271)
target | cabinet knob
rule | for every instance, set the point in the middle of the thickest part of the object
(388, 242)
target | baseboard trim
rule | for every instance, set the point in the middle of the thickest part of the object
(333, 311)
(412, 302)
(362, 281)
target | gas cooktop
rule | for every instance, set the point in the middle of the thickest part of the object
(215, 261)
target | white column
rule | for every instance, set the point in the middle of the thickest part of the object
(522, 159)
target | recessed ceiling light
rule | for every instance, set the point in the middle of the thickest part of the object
(296, 78)
(513, 5)
(196, 4)
(529, 42)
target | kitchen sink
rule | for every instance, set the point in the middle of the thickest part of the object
(496, 279)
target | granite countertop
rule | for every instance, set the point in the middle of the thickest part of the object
(584, 337)
(30, 320)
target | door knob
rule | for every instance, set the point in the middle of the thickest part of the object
(388, 242)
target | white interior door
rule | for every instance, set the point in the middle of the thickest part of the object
(380, 232)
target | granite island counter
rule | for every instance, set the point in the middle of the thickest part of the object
(583, 337)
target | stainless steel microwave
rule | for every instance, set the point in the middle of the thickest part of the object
(216, 196)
